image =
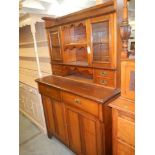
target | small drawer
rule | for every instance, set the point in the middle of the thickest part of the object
(124, 149)
(81, 103)
(50, 92)
(104, 73)
(126, 130)
(105, 81)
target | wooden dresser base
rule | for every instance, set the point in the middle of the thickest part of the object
(80, 120)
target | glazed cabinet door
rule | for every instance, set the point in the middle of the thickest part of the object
(101, 31)
(54, 44)
(55, 121)
(84, 133)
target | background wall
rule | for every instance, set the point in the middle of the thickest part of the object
(30, 69)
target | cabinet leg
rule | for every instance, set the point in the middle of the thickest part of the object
(49, 135)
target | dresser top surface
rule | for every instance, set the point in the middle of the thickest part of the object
(124, 104)
(91, 91)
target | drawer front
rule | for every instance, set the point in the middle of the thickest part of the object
(104, 73)
(50, 92)
(126, 130)
(81, 103)
(105, 81)
(123, 149)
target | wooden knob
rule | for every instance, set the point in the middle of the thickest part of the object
(103, 73)
(103, 82)
(77, 101)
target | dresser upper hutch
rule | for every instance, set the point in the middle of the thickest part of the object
(86, 45)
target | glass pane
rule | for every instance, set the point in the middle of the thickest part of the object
(101, 41)
(55, 46)
(56, 53)
(54, 39)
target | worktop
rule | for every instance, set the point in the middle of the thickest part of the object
(93, 92)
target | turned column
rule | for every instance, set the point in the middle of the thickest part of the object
(125, 31)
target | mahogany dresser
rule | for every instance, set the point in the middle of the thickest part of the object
(123, 112)
(85, 60)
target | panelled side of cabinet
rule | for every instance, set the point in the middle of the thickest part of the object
(123, 112)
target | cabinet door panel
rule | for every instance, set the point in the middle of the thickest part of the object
(48, 111)
(59, 120)
(100, 34)
(74, 130)
(101, 29)
(54, 42)
(89, 136)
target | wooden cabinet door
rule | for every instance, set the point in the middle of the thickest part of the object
(74, 134)
(91, 136)
(55, 120)
(85, 135)
(59, 120)
(49, 117)
(54, 44)
(101, 31)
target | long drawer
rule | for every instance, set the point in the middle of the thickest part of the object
(81, 103)
(124, 149)
(126, 130)
(50, 92)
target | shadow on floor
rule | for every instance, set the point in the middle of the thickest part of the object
(34, 142)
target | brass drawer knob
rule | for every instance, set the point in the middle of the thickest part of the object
(104, 82)
(77, 101)
(103, 73)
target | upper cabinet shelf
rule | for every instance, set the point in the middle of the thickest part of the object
(74, 33)
(72, 45)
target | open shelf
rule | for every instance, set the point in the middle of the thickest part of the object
(76, 44)
(96, 43)
(76, 56)
(77, 63)
(80, 78)
(74, 34)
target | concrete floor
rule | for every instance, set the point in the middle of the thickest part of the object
(34, 142)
